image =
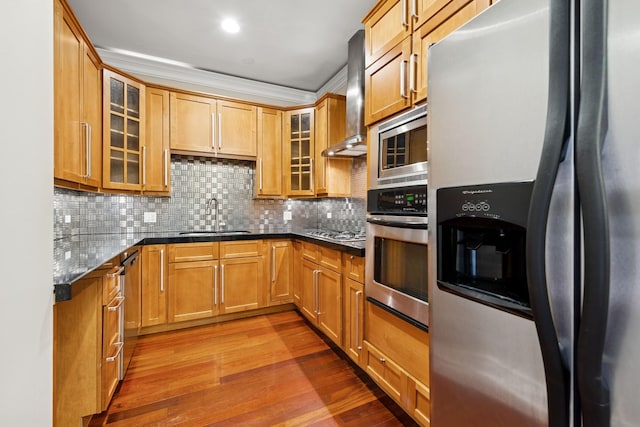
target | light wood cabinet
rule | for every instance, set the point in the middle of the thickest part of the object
(321, 294)
(124, 128)
(193, 278)
(237, 130)
(332, 175)
(396, 356)
(210, 279)
(281, 272)
(398, 34)
(444, 17)
(386, 25)
(86, 359)
(155, 270)
(77, 107)
(308, 294)
(212, 127)
(386, 83)
(269, 162)
(354, 302)
(192, 290)
(192, 121)
(241, 284)
(297, 273)
(156, 159)
(299, 152)
(329, 297)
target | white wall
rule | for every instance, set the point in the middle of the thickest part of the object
(26, 226)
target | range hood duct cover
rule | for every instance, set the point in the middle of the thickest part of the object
(356, 142)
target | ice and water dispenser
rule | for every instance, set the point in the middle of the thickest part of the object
(481, 244)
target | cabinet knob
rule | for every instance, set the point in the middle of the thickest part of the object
(382, 360)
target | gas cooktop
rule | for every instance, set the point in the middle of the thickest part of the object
(338, 236)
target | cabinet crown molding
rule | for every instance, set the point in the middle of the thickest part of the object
(188, 78)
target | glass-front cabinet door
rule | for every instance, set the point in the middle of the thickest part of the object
(123, 111)
(299, 150)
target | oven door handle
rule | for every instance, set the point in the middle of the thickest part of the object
(415, 224)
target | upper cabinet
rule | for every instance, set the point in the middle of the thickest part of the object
(77, 111)
(156, 159)
(211, 127)
(124, 126)
(332, 175)
(299, 131)
(269, 162)
(307, 132)
(398, 34)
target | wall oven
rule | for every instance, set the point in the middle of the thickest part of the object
(399, 150)
(396, 246)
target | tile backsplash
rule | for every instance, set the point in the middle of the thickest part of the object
(194, 180)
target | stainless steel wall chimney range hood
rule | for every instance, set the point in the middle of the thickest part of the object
(356, 142)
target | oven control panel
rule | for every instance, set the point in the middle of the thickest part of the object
(398, 201)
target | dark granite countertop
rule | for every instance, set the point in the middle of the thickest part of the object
(76, 256)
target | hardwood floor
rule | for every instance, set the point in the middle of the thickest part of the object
(262, 371)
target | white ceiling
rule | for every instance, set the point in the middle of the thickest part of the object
(292, 43)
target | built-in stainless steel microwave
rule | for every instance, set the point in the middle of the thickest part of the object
(399, 150)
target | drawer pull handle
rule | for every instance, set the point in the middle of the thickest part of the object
(115, 356)
(117, 306)
(115, 272)
(382, 360)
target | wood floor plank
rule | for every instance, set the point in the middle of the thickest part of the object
(270, 370)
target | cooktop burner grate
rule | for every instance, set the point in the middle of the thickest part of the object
(340, 236)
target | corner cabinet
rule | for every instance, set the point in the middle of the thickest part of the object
(299, 150)
(281, 271)
(124, 126)
(212, 127)
(77, 113)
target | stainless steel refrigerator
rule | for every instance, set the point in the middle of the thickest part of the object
(534, 205)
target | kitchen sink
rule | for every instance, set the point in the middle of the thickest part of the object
(212, 233)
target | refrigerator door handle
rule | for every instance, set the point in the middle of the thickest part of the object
(557, 375)
(592, 128)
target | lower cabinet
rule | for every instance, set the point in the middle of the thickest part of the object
(281, 253)
(321, 293)
(396, 357)
(86, 359)
(241, 284)
(191, 281)
(353, 284)
(353, 319)
(155, 269)
(192, 290)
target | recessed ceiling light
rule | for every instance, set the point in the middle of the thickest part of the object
(230, 25)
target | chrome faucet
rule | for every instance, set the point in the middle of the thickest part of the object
(212, 206)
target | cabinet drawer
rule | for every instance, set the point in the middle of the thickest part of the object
(330, 258)
(241, 249)
(111, 284)
(353, 267)
(206, 251)
(310, 251)
(386, 373)
(407, 345)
